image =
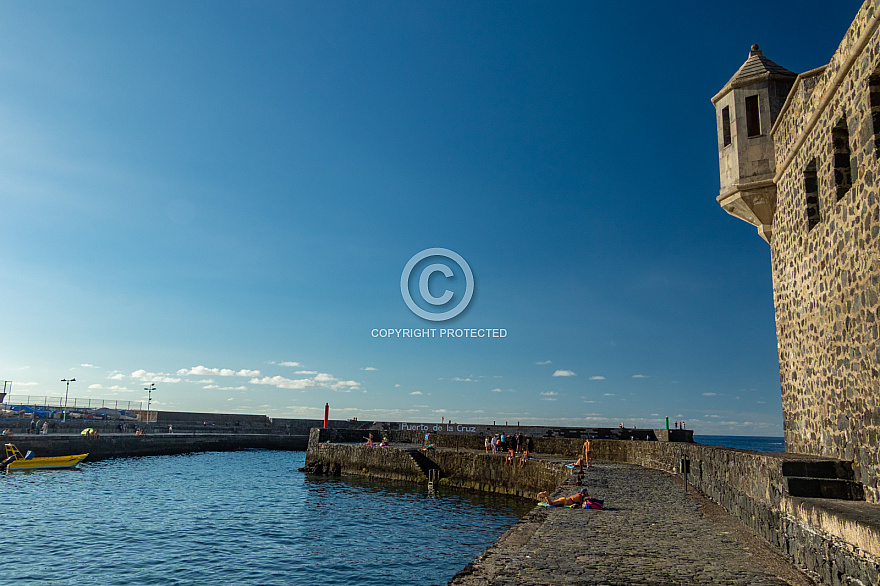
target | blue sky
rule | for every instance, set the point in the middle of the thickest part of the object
(220, 198)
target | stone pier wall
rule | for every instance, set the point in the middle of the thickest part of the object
(842, 547)
(476, 471)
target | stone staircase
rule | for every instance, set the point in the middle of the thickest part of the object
(423, 462)
(827, 479)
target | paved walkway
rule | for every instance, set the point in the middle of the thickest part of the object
(650, 533)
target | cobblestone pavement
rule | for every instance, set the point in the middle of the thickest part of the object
(650, 533)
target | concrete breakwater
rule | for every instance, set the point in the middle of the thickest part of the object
(809, 508)
(130, 445)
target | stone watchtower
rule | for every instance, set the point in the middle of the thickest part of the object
(800, 160)
(745, 110)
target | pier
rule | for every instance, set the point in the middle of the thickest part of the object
(678, 512)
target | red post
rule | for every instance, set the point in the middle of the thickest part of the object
(326, 415)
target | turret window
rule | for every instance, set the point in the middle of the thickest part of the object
(874, 95)
(753, 117)
(725, 125)
(842, 158)
(811, 187)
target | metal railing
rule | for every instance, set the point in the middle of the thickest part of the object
(76, 408)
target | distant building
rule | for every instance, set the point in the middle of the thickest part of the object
(798, 158)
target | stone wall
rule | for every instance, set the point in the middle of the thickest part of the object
(460, 469)
(826, 276)
(840, 546)
(835, 541)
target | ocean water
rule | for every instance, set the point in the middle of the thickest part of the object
(743, 442)
(237, 518)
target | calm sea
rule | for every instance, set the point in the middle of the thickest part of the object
(237, 518)
(743, 442)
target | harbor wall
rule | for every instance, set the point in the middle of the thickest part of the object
(459, 469)
(130, 445)
(836, 540)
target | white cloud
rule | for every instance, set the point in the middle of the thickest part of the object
(153, 377)
(709, 394)
(319, 381)
(292, 364)
(497, 391)
(116, 376)
(609, 394)
(464, 380)
(100, 387)
(369, 368)
(548, 398)
(640, 376)
(204, 370)
(598, 377)
(564, 373)
(89, 366)
(549, 393)
(416, 393)
(309, 372)
(544, 362)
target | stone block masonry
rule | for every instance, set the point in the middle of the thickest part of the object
(816, 200)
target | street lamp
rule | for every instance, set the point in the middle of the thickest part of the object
(68, 381)
(149, 390)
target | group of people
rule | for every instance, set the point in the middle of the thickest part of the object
(35, 425)
(513, 444)
(580, 499)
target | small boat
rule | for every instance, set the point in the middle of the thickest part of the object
(15, 461)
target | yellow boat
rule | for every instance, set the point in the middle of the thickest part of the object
(15, 461)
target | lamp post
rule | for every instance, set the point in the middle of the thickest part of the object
(149, 390)
(66, 390)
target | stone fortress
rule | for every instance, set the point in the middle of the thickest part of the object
(799, 158)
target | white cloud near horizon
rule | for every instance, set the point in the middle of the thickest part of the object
(564, 373)
(369, 368)
(293, 364)
(204, 370)
(154, 377)
(319, 381)
(640, 376)
(597, 377)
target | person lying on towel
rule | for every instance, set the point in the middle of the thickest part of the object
(566, 501)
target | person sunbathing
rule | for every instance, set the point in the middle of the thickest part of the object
(566, 501)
